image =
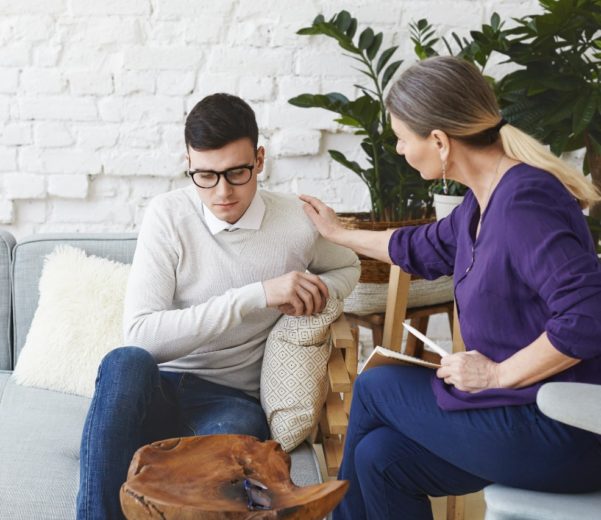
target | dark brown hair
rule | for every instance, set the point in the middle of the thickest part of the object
(220, 119)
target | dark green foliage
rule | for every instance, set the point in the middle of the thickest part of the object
(555, 94)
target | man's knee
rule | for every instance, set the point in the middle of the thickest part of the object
(127, 370)
(128, 358)
(240, 417)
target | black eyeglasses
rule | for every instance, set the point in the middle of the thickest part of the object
(256, 492)
(236, 176)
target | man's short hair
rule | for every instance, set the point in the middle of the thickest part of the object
(219, 119)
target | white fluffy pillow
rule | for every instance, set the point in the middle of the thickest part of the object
(78, 320)
(294, 382)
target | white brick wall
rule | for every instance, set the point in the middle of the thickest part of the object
(93, 96)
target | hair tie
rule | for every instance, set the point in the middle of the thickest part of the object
(500, 124)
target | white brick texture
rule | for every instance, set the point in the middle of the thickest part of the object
(291, 142)
(94, 95)
(68, 186)
(6, 211)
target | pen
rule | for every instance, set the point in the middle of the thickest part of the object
(436, 348)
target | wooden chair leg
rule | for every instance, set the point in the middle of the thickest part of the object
(458, 345)
(414, 346)
(455, 508)
(377, 334)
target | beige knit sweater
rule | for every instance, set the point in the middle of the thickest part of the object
(196, 302)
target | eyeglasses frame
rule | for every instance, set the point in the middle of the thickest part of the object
(223, 173)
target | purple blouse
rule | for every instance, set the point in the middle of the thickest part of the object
(533, 268)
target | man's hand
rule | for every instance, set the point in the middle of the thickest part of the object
(469, 371)
(296, 293)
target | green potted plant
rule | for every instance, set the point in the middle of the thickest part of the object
(399, 195)
(446, 199)
(396, 190)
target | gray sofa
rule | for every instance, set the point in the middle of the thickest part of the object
(40, 429)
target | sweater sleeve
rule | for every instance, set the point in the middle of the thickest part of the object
(151, 320)
(337, 266)
(552, 253)
(427, 250)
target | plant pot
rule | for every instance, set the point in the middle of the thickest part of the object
(369, 295)
(444, 204)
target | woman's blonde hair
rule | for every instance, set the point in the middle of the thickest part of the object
(450, 94)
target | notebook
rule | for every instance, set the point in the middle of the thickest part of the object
(384, 356)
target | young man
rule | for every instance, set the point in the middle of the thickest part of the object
(215, 266)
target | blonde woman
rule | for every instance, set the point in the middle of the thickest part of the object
(528, 291)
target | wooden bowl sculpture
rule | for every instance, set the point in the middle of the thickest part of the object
(208, 478)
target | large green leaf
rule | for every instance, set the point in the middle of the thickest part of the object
(375, 46)
(343, 20)
(339, 157)
(385, 57)
(584, 111)
(389, 72)
(366, 38)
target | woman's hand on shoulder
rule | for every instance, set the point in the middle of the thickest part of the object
(322, 216)
(469, 371)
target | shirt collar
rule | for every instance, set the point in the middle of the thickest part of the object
(252, 218)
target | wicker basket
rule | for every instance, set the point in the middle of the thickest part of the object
(375, 271)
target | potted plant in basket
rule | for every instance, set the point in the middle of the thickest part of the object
(399, 196)
(396, 190)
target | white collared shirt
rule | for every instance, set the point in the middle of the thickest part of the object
(251, 219)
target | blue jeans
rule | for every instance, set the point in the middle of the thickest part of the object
(401, 447)
(134, 404)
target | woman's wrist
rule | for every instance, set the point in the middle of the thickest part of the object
(342, 237)
(496, 375)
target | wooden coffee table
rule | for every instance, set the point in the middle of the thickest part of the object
(202, 478)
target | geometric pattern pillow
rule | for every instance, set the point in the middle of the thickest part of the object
(294, 382)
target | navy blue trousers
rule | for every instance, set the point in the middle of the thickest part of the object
(401, 447)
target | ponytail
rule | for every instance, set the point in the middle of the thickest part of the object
(522, 147)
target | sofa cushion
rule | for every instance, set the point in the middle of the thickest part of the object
(79, 319)
(40, 434)
(29, 259)
(7, 242)
(39, 448)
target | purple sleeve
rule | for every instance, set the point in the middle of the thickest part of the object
(427, 250)
(552, 253)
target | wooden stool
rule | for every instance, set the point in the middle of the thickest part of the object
(419, 316)
(201, 478)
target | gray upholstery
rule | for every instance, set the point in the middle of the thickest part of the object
(7, 242)
(40, 430)
(577, 404)
(40, 433)
(29, 259)
(505, 503)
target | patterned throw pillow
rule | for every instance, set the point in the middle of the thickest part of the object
(294, 375)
